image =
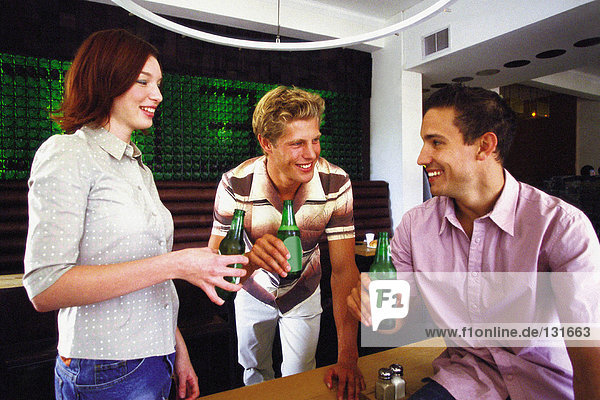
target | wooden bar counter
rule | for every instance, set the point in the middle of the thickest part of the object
(361, 249)
(415, 358)
(11, 281)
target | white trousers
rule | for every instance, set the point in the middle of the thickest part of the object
(256, 324)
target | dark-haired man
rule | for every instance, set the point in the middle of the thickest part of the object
(483, 222)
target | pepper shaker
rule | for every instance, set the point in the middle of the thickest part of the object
(384, 388)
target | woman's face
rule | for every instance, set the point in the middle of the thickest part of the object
(134, 109)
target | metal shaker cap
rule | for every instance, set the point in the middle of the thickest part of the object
(385, 373)
(397, 369)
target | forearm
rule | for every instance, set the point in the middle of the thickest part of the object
(88, 284)
(586, 371)
(180, 347)
(342, 283)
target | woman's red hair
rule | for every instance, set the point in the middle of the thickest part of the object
(106, 65)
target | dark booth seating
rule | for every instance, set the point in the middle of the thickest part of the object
(28, 338)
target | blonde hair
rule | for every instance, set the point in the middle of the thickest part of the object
(283, 105)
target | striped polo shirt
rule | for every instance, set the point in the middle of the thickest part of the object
(322, 207)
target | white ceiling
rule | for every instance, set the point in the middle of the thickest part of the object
(315, 19)
(380, 9)
(560, 31)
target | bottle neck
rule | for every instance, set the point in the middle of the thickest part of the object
(288, 221)
(237, 225)
(382, 252)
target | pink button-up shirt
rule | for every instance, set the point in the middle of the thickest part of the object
(527, 231)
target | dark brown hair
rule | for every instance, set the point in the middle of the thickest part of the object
(106, 65)
(477, 111)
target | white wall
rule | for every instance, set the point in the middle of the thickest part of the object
(395, 125)
(588, 134)
(475, 21)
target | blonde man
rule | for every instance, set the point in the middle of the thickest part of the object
(286, 123)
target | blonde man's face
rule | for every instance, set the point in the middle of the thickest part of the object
(291, 159)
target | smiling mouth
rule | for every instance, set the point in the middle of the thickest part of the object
(149, 110)
(305, 166)
(433, 174)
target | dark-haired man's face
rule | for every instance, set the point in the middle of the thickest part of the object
(448, 160)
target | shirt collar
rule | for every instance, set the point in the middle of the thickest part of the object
(112, 144)
(502, 214)
(449, 214)
(264, 189)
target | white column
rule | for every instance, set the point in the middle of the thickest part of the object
(395, 123)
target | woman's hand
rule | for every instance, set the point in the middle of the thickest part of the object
(187, 381)
(204, 268)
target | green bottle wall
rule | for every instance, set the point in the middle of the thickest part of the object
(202, 128)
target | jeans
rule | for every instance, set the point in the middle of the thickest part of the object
(432, 391)
(141, 379)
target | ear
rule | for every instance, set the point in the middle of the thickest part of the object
(266, 144)
(488, 142)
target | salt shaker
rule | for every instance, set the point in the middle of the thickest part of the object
(398, 381)
(384, 388)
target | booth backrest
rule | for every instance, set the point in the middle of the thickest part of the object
(191, 204)
(13, 225)
(29, 338)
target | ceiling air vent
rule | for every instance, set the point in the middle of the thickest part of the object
(435, 42)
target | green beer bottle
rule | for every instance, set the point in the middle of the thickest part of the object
(289, 233)
(233, 243)
(382, 268)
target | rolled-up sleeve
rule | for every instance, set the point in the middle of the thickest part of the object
(574, 259)
(341, 223)
(225, 204)
(57, 200)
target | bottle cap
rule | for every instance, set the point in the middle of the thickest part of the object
(397, 369)
(385, 373)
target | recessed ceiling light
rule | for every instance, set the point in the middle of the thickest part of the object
(461, 79)
(439, 85)
(487, 72)
(516, 63)
(588, 42)
(551, 53)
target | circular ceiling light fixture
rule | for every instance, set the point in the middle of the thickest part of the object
(517, 63)
(588, 42)
(487, 72)
(551, 53)
(157, 20)
(462, 79)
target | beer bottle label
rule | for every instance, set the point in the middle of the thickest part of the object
(294, 246)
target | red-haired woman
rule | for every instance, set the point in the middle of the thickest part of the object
(99, 240)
